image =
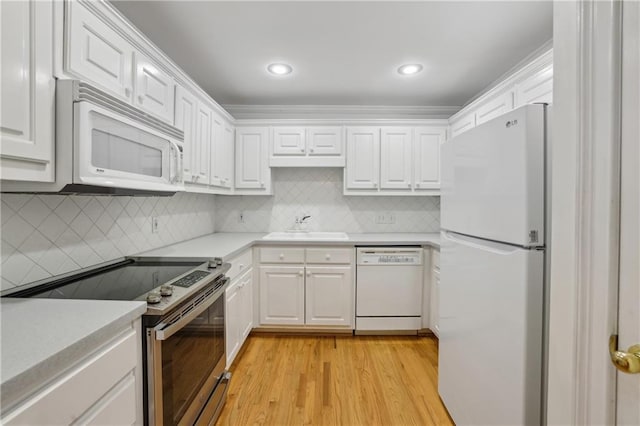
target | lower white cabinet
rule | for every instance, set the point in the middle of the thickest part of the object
(316, 288)
(239, 314)
(328, 295)
(103, 388)
(238, 304)
(282, 295)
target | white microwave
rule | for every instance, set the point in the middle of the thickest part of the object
(106, 146)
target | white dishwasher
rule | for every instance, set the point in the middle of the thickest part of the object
(389, 289)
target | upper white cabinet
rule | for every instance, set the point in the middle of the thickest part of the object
(533, 83)
(252, 160)
(494, 107)
(363, 158)
(426, 157)
(185, 120)
(326, 141)
(289, 141)
(404, 161)
(202, 145)
(28, 87)
(154, 89)
(395, 158)
(537, 88)
(319, 146)
(221, 175)
(98, 54)
(463, 123)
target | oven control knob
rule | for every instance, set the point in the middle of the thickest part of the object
(154, 297)
(166, 290)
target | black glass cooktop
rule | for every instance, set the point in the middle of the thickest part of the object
(125, 281)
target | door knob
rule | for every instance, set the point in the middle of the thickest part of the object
(627, 362)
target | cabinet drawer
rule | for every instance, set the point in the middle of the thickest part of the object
(329, 255)
(281, 255)
(240, 263)
(63, 401)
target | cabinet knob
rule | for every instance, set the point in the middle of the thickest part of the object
(141, 99)
(301, 149)
(409, 185)
(375, 185)
(328, 257)
(311, 150)
(417, 185)
(308, 273)
(300, 273)
(261, 185)
(281, 256)
(241, 266)
(127, 92)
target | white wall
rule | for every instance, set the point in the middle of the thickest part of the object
(46, 235)
(318, 192)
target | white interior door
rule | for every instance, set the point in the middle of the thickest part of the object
(628, 385)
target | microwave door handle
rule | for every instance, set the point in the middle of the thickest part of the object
(163, 333)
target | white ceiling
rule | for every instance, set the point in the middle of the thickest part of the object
(344, 53)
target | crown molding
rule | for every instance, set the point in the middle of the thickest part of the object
(343, 112)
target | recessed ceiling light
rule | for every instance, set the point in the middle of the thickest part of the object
(279, 69)
(410, 69)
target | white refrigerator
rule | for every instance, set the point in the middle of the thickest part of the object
(492, 264)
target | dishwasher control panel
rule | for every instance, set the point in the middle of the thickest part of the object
(390, 256)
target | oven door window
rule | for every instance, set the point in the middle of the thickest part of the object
(189, 358)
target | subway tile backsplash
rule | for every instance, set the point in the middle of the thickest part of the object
(318, 192)
(46, 235)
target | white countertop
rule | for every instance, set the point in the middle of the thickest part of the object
(228, 245)
(43, 337)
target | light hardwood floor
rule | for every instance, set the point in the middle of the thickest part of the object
(307, 380)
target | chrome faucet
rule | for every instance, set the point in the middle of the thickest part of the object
(301, 221)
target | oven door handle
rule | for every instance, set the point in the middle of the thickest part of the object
(163, 332)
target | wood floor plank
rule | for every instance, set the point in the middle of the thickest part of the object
(325, 380)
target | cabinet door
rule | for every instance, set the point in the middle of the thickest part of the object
(217, 151)
(282, 295)
(200, 159)
(329, 295)
(289, 141)
(154, 89)
(462, 124)
(185, 119)
(435, 293)
(324, 141)
(537, 88)
(233, 320)
(363, 157)
(27, 121)
(495, 107)
(247, 306)
(97, 53)
(395, 158)
(426, 155)
(227, 161)
(252, 163)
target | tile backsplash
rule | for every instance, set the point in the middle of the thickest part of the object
(318, 192)
(46, 235)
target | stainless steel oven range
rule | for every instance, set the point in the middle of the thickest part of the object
(183, 343)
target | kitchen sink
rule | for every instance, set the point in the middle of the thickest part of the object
(306, 236)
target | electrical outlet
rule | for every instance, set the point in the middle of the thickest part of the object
(391, 218)
(155, 225)
(380, 218)
(385, 218)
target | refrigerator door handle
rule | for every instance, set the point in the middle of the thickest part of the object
(490, 246)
